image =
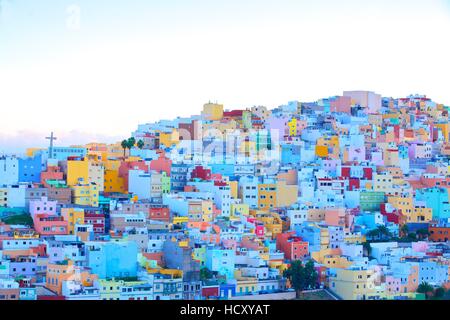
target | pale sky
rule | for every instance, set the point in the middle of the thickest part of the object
(92, 69)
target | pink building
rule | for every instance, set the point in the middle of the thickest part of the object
(420, 246)
(162, 164)
(341, 104)
(42, 206)
(52, 173)
(393, 285)
(50, 225)
(335, 217)
(366, 99)
(259, 230)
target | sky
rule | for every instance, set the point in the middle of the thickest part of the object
(92, 70)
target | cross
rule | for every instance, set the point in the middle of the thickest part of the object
(51, 138)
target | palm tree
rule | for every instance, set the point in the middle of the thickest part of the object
(422, 233)
(384, 232)
(425, 288)
(124, 145)
(404, 230)
(131, 142)
(373, 234)
(140, 144)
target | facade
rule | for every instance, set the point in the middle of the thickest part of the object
(219, 205)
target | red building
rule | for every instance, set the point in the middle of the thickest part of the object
(97, 220)
(392, 216)
(353, 184)
(159, 213)
(210, 292)
(294, 247)
(201, 173)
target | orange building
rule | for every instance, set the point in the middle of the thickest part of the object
(439, 233)
(59, 272)
(294, 247)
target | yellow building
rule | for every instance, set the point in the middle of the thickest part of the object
(180, 220)
(353, 237)
(246, 286)
(110, 289)
(85, 171)
(324, 238)
(272, 222)
(238, 210)
(212, 111)
(292, 125)
(207, 210)
(233, 189)
(267, 196)
(331, 258)
(403, 204)
(383, 182)
(169, 139)
(277, 194)
(85, 194)
(77, 171)
(354, 284)
(420, 214)
(73, 216)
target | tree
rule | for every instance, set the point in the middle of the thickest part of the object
(373, 234)
(131, 142)
(302, 277)
(404, 230)
(439, 293)
(140, 144)
(367, 248)
(205, 274)
(425, 288)
(384, 232)
(124, 145)
(422, 233)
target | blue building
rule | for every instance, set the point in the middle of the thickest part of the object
(433, 273)
(227, 290)
(62, 153)
(437, 199)
(112, 259)
(179, 176)
(221, 261)
(223, 169)
(311, 233)
(30, 169)
(290, 153)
